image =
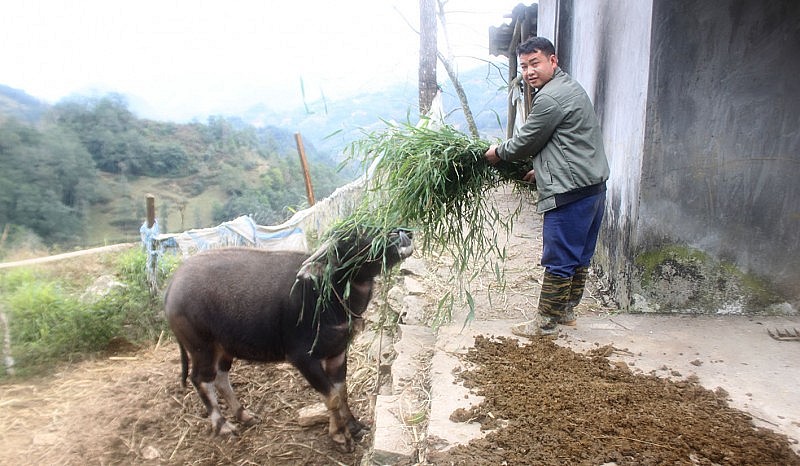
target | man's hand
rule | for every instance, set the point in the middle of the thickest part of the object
(491, 155)
(530, 177)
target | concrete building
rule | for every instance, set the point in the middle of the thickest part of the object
(700, 107)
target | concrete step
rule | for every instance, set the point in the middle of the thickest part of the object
(448, 394)
(400, 415)
(413, 417)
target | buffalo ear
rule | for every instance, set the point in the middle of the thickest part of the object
(310, 271)
(313, 267)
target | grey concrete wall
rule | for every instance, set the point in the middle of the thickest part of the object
(723, 136)
(700, 106)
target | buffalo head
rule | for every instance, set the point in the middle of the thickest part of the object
(359, 253)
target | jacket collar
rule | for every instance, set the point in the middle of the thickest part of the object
(556, 75)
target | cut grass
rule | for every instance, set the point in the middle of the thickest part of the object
(436, 182)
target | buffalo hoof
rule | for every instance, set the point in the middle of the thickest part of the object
(347, 447)
(245, 418)
(344, 443)
(357, 428)
(225, 429)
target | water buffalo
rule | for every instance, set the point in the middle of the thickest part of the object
(274, 306)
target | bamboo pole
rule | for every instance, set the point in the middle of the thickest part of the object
(306, 175)
(67, 255)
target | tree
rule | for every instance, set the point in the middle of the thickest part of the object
(448, 66)
(118, 141)
(46, 180)
(427, 55)
(103, 126)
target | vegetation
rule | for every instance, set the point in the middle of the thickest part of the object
(432, 179)
(53, 319)
(46, 181)
(90, 159)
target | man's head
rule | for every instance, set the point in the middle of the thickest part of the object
(538, 60)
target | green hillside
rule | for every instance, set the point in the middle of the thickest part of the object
(78, 175)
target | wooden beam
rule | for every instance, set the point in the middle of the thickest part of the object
(306, 174)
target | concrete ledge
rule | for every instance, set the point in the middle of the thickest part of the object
(447, 394)
(400, 415)
(392, 444)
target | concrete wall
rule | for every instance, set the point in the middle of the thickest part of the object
(723, 136)
(700, 106)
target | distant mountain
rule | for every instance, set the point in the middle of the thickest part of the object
(18, 104)
(335, 124)
(330, 126)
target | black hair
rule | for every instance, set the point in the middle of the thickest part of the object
(536, 44)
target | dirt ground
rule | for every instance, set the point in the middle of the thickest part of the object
(133, 410)
(544, 404)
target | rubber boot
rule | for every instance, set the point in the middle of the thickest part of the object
(552, 305)
(576, 288)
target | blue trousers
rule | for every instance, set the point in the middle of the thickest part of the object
(569, 235)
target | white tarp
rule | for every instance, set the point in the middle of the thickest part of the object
(291, 235)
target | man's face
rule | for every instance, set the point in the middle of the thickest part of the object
(537, 68)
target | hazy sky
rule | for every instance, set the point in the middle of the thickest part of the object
(185, 58)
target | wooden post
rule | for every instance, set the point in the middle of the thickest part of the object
(524, 35)
(512, 75)
(4, 236)
(150, 205)
(301, 150)
(152, 255)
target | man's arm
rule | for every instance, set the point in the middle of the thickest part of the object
(545, 116)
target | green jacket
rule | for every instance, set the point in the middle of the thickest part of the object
(562, 135)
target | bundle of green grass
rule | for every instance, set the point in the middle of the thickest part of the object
(436, 182)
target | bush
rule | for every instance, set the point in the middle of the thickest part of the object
(47, 324)
(50, 324)
(142, 312)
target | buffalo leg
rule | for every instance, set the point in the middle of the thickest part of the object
(203, 376)
(316, 375)
(336, 368)
(223, 384)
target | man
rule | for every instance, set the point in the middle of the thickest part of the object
(562, 137)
